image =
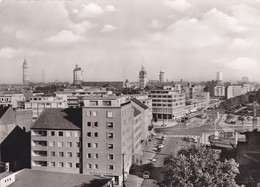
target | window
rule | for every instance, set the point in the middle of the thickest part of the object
(110, 146)
(60, 144)
(77, 165)
(88, 144)
(110, 125)
(52, 144)
(69, 154)
(96, 134)
(77, 144)
(60, 133)
(52, 153)
(95, 166)
(89, 155)
(110, 167)
(52, 133)
(110, 135)
(88, 166)
(88, 134)
(69, 134)
(88, 113)
(61, 164)
(78, 155)
(110, 156)
(94, 113)
(69, 144)
(61, 154)
(69, 165)
(96, 156)
(96, 124)
(109, 114)
(77, 134)
(89, 124)
(95, 145)
(52, 164)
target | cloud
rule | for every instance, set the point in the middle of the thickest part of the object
(110, 8)
(80, 28)
(178, 5)
(8, 53)
(156, 24)
(108, 28)
(90, 10)
(75, 11)
(242, 63)
(64, 37)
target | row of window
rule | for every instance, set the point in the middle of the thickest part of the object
(95, 166)
(109, 114)
(95, 145)
(61, 154)
(95, 124)
(95, 156)
(110, 135)
(61, 164)
(56, 133)
(61, 144)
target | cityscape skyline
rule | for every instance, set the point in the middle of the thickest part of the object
(186, 40)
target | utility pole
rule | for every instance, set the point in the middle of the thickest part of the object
(123, 155)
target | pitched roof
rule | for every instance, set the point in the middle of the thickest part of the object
(136, 112)
(56, 118)
(106, 84)
(139, 103)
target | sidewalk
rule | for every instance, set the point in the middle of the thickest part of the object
(134, 181)
(164, 124)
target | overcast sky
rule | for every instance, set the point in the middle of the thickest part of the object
(187, 39)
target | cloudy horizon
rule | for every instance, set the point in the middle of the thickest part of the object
(188, 40)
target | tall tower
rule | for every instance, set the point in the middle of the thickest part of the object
(161, 76)
(25, 73)
(77, 76)
(255, 115)
(142, 77)
(219, 76)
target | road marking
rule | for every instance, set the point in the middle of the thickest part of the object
(182, 136)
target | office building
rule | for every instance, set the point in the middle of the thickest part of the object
(219, 76)
(167, 104)
(233, 91)
(77, 75)
(161, 76)
(56, 141)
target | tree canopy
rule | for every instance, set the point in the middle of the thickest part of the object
(197, 167)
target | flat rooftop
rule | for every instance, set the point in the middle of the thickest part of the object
(32, 178)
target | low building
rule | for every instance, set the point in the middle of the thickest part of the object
(13, 100)
(56, 141)
(167, 104)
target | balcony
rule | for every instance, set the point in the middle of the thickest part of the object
(39, 133)
(39, 143)
(39, 153)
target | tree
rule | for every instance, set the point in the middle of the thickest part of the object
(196, 167)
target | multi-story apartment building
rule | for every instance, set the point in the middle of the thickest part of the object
(39, 103)
(56, 141)
(167, 104)
(107, 132)
(14, 100)
(233, 91)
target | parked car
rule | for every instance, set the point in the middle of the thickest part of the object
(146, 175)
(153, 159)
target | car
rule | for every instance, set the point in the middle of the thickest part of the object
(153, 159)
(160, 146)
(146, 175)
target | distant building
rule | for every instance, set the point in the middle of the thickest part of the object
(161, 76)
(109, 85)
(39, 103)
(25, 73)
(77, 75)
(233, 91)
(167, 104)
(245, 79)
(56, 141)
(13, 100)
(142, 78)
(219, 76)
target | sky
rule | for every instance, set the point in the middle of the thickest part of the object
(111, 39)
